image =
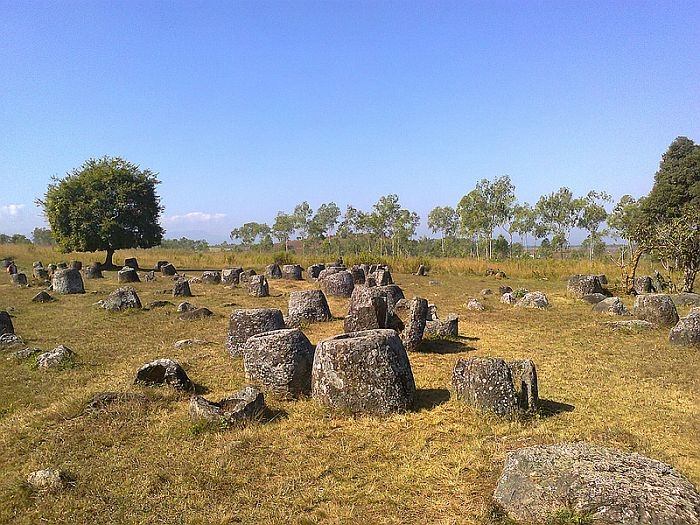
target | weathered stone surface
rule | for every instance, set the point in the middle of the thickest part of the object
(582, 284)
(486, 291)
(245, 323)
(48, 480)
(631, 325)
(61, 266)
(485, 383)
(367, 309)
(655, 308)
(6, 326)
(340, 284)
(611, 306)
(686, 299)
(687, 331)
(508, 298)
(164, 371)
(504, 289)
(475, 305)
(248, 404)
(182, 343)
(211, 277)
(68, 281)
(611, 486)
(382, 276)
(291, 272)
(185, 306)
(55, 358)
(76, 265)
(230, 276)
(593, 298)
(197, 313)
(412, 336)
(128, 275)
(122, 299)
(279, 361)
(40, 273)
(642, 284)
(245, 275)
(159, 265)
(358, 274)
(258, 286)
(525, 383)
(94, 271)
(443, 328)
(273, 271)
(307, 306)
(181, 288)
(432, 312)
(533, 300)
(9, 339)
(131, 262)
(314, 271)
(422, 271)
(363, 372)
(19, 279)
(168, 269)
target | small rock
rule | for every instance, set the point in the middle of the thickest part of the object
(475, 304)
(611, 306)
(199, 313)
(164, 371)
(185, 307)
(42, 297)
(533, 300)
(248, 404)
(48, 480)
(190, 342)
(55, 358)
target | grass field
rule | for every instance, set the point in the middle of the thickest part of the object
(146, 462)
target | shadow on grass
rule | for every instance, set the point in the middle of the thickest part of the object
(446, 346)
(549, 408)
(429, 398)
(271, 415)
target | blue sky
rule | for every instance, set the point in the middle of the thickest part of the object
(245, 109)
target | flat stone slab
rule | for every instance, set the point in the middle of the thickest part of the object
(611, 486)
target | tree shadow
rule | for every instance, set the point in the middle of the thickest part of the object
(429, 398)
(445, 346)
(549, 408)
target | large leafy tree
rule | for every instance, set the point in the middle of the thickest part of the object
(443, 219)
(488, 206)
(105, 204)
(668, 217)
(283, 227)
(250, 232)
(592, 215)
(557, 213)
(324, 221)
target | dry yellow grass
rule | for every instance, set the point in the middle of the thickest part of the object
(147, 463)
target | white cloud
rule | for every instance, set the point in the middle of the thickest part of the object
(194, 217)
(11, 209)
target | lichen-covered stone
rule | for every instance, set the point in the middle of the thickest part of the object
(339, 284)
(258, 286)
(68, 281)
(582, 284)
(609, 485)
(19, 279)
(443, 328)
(48, 480)
(358, 274)
(642, 284)
(314, 271)
(248, 404)
(631, 325)
(244, 323)
(230, 276)
(164, 371)
(655, 308)
(687, 331)
(533, 300)
(273, 271)
(508, 298)
(181, 288)
(279, 361)
(308, 306)
(611, 306)
(122, 299)
(197, 313)
(55, 358)
(475, 305)
(168, 269)
(291, 272)
(128, 275)
(525, 383)
(211, 277)
(93, 271)
(131, 262)
(363, 372)
(593, 298)
(485, 383)
(412, 336)
(367, 309)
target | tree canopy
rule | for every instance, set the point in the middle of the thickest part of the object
(105, 204)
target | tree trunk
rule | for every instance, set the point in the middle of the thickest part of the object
(689, 279)
(633, 270)
(108, 264)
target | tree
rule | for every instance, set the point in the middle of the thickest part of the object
(250, 232)
(402, 229)
(488, 206)
(443, 219)
(668, 217)
(42, 236)
(301, 217)
(592, 215)
(622, 221)
(523, 222)
(283, 227)
(324, 221)
(556, 214)
(105, 204)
